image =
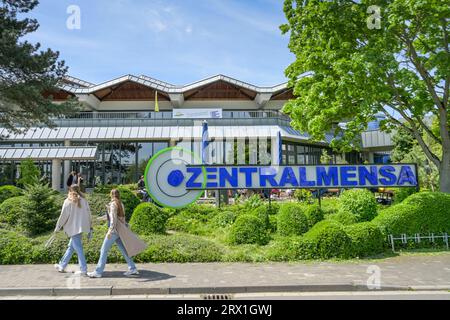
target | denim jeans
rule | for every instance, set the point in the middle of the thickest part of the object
(75, 245)
(107, 244)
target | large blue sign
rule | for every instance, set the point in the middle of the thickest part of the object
(172, 180)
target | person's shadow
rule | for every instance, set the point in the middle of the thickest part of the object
(144, 275)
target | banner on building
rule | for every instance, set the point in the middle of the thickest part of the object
(197, 113)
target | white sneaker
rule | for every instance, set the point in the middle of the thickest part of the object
(81, 273)
(131, 272)
(59, 268)
(94, 275)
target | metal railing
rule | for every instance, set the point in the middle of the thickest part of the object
(417, 238)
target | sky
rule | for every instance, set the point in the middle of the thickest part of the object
(177, 41)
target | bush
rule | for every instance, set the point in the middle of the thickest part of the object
(97, 203)
(29, 172)
(343, 217)
(148, 218)
(360, 202)
(423, 212)
(330, 205)
(223, 219)
(303, 195)
(104, 188)
(291, 220)
(40, 209)
(401, 194)
(180, 248)
(253, 202)
(262, 212)
(14, 248)
(7, 192)
(248, 229)
(11, 210)
(189, 222)
(314, 214)
(328, 240)
(290, 249)
(130, 201)
(367, 239)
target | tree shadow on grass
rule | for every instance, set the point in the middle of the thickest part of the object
(144, 275)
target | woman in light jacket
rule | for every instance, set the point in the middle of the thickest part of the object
(129, 244)
(75, 219)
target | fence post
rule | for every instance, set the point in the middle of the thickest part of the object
(391, 240)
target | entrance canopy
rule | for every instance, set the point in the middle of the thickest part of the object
(48, 153)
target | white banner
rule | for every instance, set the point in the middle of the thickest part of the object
(196, 113)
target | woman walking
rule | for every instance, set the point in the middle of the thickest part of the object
(75, 219)
(129, 244)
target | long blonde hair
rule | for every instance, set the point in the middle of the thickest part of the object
(75, 195)
(115, 197)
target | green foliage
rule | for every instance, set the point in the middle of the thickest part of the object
(291, 248)
(129, 200)
(14, 248)
(423, 212)
(303, 195)
(401, 194)
(291, 220)
(7, 192)
(367, 239)
(224, 219)
(248, 229)
(41, 209)
(329, 240)
(180, 248)
(105, 188)
(253, 202)
(360, 202)
(330, 205)
(262, 212)
(28, 71)
(11, 210)
(97, 203)
(343, 217)
(29, 172)
(148, 218)
(314, 214)
(189, 222)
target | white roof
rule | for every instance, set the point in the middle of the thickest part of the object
(48, 153)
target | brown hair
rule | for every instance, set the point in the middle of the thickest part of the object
(75, 195)
(115, 197)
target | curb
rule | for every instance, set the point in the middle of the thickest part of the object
(115, 291)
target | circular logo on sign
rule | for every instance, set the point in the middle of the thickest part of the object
(166, 177)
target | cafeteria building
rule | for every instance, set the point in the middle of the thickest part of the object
(118, 129)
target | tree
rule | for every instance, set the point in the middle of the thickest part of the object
(26, 73)
(29, 172)
(351, 65)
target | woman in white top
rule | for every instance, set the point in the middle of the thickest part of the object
(75, 219)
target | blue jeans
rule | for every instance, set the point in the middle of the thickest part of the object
(75, 244)
(107, 244)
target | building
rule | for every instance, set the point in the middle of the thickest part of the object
(118, 130)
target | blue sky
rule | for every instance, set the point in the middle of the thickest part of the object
(178, 41)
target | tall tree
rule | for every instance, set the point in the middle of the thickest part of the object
(26, 72)
(355, 59)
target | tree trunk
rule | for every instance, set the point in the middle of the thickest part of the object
(444, 172)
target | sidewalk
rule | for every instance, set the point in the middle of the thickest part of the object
(418, 272)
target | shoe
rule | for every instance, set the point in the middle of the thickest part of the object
(131, 272)
(81, 273)
(94, 275)
(59, 268)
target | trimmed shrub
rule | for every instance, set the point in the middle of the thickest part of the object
(343, 217)
(401, 194)
(253, 202)
(97, 203)
(7, 192)
(314, 214)
(262, 212)
(129, 200)
(40, 209)
(329, 240)
(224, 219)
(330, 205)
(180, 248)
(291, 220)
(423, 212)
(303, 195)
(147, 219)
(248, 229)
(360, 202)
(11, 210)
(273, 223)
(367, 239)
(189, 222)
(14, 248)
(290, 249)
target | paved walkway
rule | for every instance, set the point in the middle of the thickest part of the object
(423, 272)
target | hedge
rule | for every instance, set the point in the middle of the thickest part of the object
(14, 248)
(291, 220)
(148, 218)
(360, 202)
(223, 219)
(423, 212)
(314, 214)
(7, 192)
(248, 229)
(11, 210)
(343, 217)
(97, 203)
(189, 222)
(129, 200)
(367, 239)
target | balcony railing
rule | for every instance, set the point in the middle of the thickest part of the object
(164, 118)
